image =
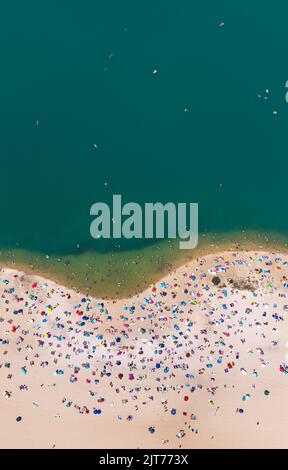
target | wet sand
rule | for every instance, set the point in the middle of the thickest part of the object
(198, 360)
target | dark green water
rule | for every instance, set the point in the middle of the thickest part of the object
(84, 71)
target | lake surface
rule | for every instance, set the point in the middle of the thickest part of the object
(83, 116)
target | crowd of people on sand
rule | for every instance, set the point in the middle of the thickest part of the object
(182, 337)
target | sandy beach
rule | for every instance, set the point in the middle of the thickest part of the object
(198, 360)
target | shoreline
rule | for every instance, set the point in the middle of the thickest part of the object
(118, 275)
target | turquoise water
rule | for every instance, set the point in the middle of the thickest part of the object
(84, 71)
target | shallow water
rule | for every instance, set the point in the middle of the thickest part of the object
(122, 274)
